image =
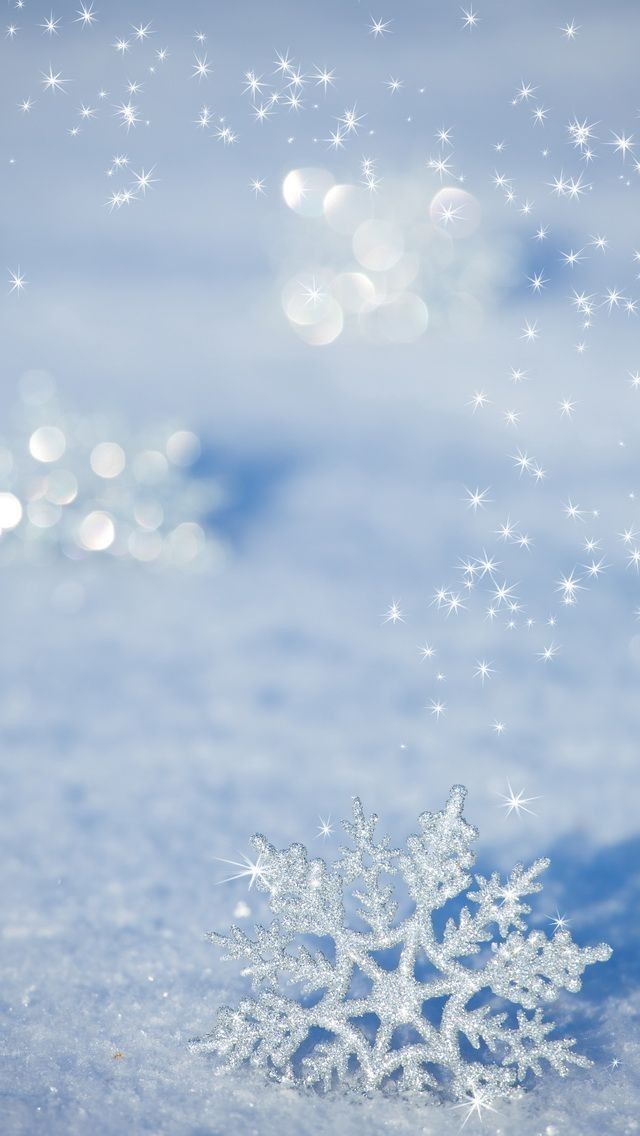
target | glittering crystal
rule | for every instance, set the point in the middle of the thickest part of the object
(352, 989)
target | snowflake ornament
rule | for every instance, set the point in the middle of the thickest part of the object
(448, 998)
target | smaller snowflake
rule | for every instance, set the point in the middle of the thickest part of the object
(441, 992)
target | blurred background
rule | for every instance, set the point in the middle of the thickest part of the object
(318, 476)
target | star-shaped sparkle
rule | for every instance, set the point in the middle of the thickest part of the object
(516, 802)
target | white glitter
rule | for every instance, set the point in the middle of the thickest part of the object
(404, 1021)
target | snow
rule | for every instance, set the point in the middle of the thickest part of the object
(141, 741)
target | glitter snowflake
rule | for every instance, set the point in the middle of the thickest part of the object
(447, 998)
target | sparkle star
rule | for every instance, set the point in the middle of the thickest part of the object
(144, 179)
(142, 32)
(351, 120)
(483, 670)
(478, 1102)
(567, 407)
(86, 16)
(312, 292)
(478, 499)
(469, 17)
(478, 401)
(204, 118)
(51, 26)
(525, 92)
(599, 243)
(537, 281)
(523, 462)
(517, 375)
(201, 68)
(571, 30)
(613, 298)
(251, 869)
(569, 585)
(52, 82)
(324, 78)
(393, 614)
(335, 141)
(507, 530)
(560, 922)
(571, 258)
(622, 144)
(517, 802)
(503, 593)
(325, 827)
(450, 213)
(454, 604)
(548, 653)
(573, 512)
(441, 166)
(17, 281)
(427, 651)
(128, 115)
(530, 331)
(594, 569)
(379, 27)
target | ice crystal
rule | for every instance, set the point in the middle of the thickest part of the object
(447, 998)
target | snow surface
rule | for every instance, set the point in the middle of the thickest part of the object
(140, 742)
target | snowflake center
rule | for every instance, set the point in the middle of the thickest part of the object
(397, 998)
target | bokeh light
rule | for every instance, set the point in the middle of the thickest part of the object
(145, 546)
(403, 318)
(61, 487)
(43, 514)
(378, 245)
(107, 459)
(346, 207)
(410, 259)
(150, 467)
(455, 211)
(354, 292)
(129, 496)
(10, 511)
(185, 543)
(311, 309)
(47, 444)
(183, 448)
(149, 514)
(304, 190)
(97, 531)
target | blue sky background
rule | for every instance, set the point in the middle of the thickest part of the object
(161, 717)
